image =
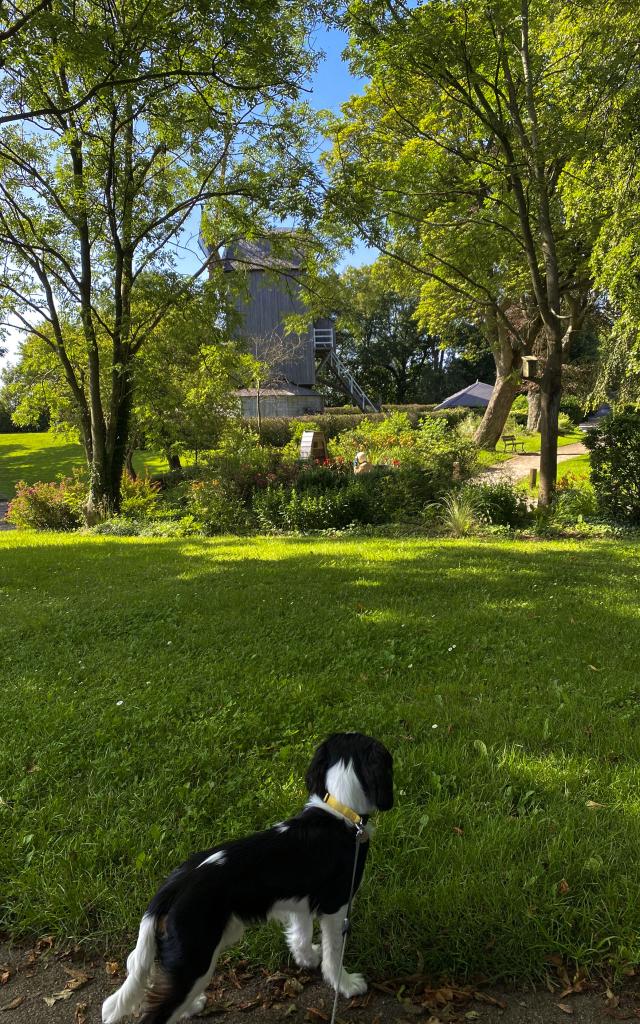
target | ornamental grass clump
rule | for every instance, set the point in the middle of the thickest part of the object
(459, 513)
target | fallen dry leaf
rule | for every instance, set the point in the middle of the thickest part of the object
(592, 805)
(594, 669)
(612, 1000)
(14, 1004)
(65, 993)
(77, 980)
(292, 987)
(483, 997)
(316, 1014)
(112, 967)
(80, 1014)
(563, 887)
(458, 831)
(5, 974)
(565, 1007)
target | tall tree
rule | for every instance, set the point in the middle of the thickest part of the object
(118, 123)
(451, 162)
(186, 376)
(379, 337)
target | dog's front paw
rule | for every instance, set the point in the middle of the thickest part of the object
(352, 985)
(310, 957)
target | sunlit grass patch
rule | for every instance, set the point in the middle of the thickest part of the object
(161, 695)
(47, 456)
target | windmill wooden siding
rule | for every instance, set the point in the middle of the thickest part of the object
(270, 299)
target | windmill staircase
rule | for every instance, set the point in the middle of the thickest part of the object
(325, 352)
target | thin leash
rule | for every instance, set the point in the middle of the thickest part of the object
(346, 924)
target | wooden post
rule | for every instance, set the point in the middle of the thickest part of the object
(533, 478)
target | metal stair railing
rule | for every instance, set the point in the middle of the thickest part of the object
(323, 340)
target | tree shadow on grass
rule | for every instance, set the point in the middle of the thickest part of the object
(170, 693)
(21, 461)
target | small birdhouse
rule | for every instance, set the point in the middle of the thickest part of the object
(313, 446)
(530, 367)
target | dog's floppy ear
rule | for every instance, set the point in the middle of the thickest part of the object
(377, 776)
(317, 771)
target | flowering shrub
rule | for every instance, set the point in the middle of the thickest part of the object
(140, 497)
(49, 506)
(217, 504)
(432, 446)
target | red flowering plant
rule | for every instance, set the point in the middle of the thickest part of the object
(49, 506)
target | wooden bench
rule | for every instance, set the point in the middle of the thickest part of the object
(511, 444)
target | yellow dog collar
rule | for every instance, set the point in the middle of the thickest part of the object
(355, 818)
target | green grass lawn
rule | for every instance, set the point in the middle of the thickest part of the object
(45, 457)
(576, 472)
(531, 444)
(159, 696)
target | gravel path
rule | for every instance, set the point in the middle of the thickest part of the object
(38, 985)
(518, 467)
(3, 511)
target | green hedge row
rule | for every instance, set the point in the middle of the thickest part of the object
(276, 430)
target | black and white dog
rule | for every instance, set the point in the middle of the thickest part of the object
(294, 872)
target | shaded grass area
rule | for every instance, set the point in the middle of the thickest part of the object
(45, 457)
(159, 696)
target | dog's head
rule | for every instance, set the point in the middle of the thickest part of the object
(354, 768)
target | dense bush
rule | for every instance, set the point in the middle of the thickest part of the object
(48, 506)
(520, 410)
(500, 504)
(277, 431)
(565, 424)
(121, 526)
(615, 465)
(573, 505)
(393, 442)
(290, 509)
(140, 497)
(218, 506)
(574, 408)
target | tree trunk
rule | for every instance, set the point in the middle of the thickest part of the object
(101, 502)
(507, 385)
(174, 461)
(504, 393)
(550, 391)
(128, 463)
(534, 413)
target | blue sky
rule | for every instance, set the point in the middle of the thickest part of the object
(332, 85)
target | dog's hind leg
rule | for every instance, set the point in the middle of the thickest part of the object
(128, 997)
(178, 989)
(299, 935)
(347, 984)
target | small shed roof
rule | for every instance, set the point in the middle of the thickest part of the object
(475, 396)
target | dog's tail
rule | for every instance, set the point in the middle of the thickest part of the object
(140, 963)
